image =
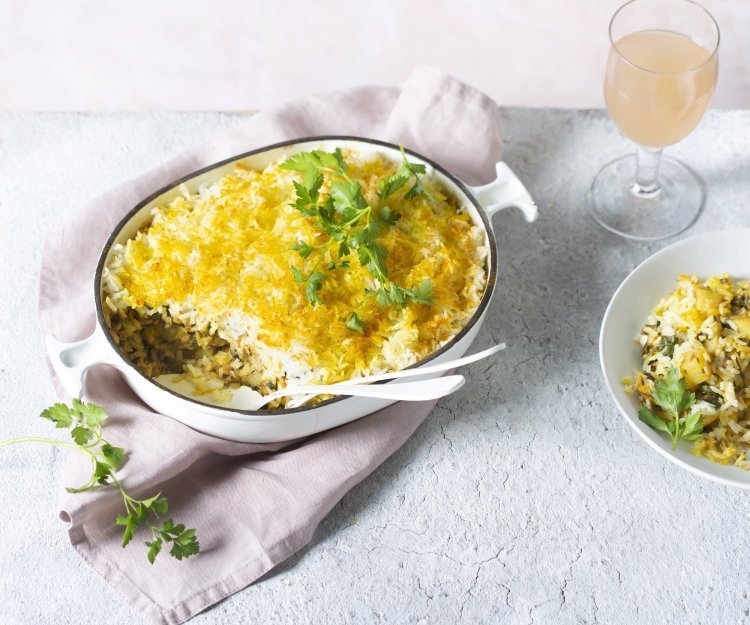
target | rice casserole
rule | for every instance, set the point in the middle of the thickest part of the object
(204, 288)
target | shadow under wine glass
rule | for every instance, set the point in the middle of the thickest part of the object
(660, 78)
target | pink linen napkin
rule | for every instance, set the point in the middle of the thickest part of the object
(253, 505)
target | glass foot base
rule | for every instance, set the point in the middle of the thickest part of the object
(666, 213)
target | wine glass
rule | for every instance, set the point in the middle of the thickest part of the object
(661, 74)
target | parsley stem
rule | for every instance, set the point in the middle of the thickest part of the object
(341, 173)
(324, 248)
(97, 439)
(55, 443)
(35, 439)
(365, 211)
(127, 499)
(130, 502)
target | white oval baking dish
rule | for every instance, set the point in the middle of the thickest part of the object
(71, 360)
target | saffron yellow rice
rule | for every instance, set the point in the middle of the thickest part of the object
(205, 290)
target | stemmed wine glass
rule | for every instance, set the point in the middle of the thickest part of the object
(661, 74)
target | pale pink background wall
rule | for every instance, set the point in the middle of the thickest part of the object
(248, 54)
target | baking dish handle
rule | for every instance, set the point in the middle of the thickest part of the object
(71, 360)
(504, 192)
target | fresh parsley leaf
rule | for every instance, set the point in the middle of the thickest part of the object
(382, 296)
(130, 524)
(307, 197)
(407, 172)
(363, 237)
(423, 293)
(140, 512)
(344, 264)
(114, 456)
(372, 257)
(647, 415)
(170, 528)
(413, 168)
(693, 426)
(81, 434)
(150, 501)
(392, 185)
(184, 545)
(332, 160)
(307, 164)
(388, 216)
(154, 548)
(303, 249)
(160, 506)
(297, 274)
(59, 414)
(102, 472)
(347, 196)
(91, 414)
(353, 322)
(314, 284)
(184, 541)
(671, 393)
(416, 190)
(397, 294)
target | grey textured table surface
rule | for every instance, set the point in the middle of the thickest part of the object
(524, 498)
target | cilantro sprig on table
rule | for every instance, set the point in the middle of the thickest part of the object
(672, 396)
(85, 424)
(351, 225)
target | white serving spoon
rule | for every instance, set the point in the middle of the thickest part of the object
(245, 398)
(443, 366)
(408, 373)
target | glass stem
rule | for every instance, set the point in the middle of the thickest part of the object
(646, 183)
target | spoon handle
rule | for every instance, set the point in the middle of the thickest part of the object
(407, 391)
(408, 373)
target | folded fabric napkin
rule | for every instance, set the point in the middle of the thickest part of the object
(253, 505)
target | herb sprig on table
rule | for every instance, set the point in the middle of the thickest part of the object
(85, 424)
(350, 224)
(672, 396)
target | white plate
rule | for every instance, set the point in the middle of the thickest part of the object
(704, 255)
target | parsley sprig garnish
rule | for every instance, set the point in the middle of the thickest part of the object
(351, 224)
(85, 424)
(672, 396)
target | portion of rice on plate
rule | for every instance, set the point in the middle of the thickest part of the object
(703, 329)
(246, 282)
